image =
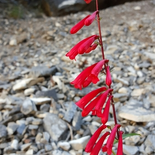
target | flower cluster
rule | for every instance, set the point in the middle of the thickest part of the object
(94, 101)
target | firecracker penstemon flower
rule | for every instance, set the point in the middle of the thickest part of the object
(98, 101)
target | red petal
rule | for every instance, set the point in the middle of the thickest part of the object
(90, 19)
(88, 1)
(74, 51)
(78, 26)
(90, 106)
(106, 111)
(83, 47)
(99, 106)
(98, 67)
(87, 98)
(80, 79)
(93, 139)
(108, 76)
(120, 144)
(92, 47)
(99, 144)
(111, 139)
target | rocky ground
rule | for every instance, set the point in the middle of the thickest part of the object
(37, 111)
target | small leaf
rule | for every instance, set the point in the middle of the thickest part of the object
(113, 152)
(127, 135)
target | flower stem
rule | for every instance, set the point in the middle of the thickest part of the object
(102, 49)
(99, 28)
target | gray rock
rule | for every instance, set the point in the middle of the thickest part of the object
(46, 136)
(77, 121)
(11, 128)
(136, 113)
(150, 141)
(42, 151)
(28, 107)
(22, 129)
(69, 114)
(37, 121)
(54, 126)
(3, 131)
(49, 93)
(33, 127)
(25, 147)
(39, 71)
(56, 152)
(130, 150)
(45, 108)
(9, 150)
(60, 7)
(48, 147)
(3, 145)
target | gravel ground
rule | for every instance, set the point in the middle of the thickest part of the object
(37, 111)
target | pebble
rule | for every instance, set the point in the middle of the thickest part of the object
(130, 150)
(39, 101)
(25, 83)
(64, 145)
(79, 144)
(71, 110)
(136, 113)
(54, 126)
(28, 107)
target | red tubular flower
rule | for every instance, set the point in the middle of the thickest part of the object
(88, 75)
(108, 147)
(87, 1)
(90, 106)
(87, 98)
(108, 76)
(99, 144)
(84, 47)
(92, 47)
(120, 144)
(98, 108)
(78, 26)
(80, 79)
(74, 51)
(106, 111)
(94, 138)
(90, 19)
(98, 67)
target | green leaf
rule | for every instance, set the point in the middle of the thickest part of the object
(127, 135)
(130, 134)
(113, 152)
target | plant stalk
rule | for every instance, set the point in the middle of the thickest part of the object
(102, 49)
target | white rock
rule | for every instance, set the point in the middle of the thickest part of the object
(29, 152)
(14, 144)
(136, 113)
(80, 143)
(123, 90)
(13, 42)
(137, 92)
(22, 84)
(29, 91)
(39, 101)
(64, 145)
